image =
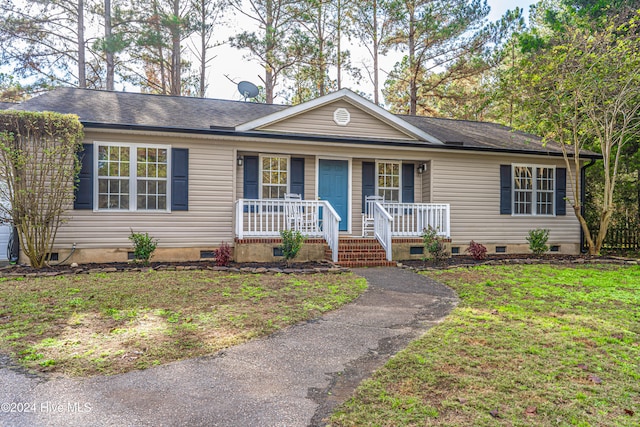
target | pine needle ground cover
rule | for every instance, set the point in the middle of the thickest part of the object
(107, 323)
(527, 346)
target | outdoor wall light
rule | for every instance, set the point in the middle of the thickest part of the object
(240, 159)
(422, 168)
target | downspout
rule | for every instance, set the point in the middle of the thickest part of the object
(583, 195)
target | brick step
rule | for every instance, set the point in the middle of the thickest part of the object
(356, 264)
(360, 253)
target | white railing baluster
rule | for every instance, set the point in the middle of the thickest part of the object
(382, 225)
(267, 217)
(410, 219)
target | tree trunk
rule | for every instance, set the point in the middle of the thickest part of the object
(322, 61)
(176, 74)
(585, 230)
(413, 84)
(605, 219)
(269, 54)
(108, 46)
(339, 31)
(203, 51)
(376, 71)
(82, 76)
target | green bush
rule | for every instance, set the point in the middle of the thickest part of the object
(143, 247)
(291, 244)
(434, 245)
(538, 240)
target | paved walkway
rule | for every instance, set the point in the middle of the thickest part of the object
(294, 377)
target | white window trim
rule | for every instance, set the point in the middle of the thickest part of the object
(534, 198)
(133, 176)
(288, 157)
(399, 162)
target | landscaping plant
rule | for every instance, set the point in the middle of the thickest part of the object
(434, 245)
(477, 250)
(223, 255)
(538, 240)
(143, 247)
(291, 244)
(38, 165)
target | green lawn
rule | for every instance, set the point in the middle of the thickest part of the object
(527, 346)
(108, 323)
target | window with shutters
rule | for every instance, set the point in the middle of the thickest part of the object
(274, 176)
(388, 182)
(132, 177)
(533, 190)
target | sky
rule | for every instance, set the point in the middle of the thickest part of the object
(231, 63)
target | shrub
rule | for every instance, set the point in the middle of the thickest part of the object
(223, 255)
(434, 245)
(291, 243)
(538, 240)
(38, 165)
(143, 246)
(476, 250)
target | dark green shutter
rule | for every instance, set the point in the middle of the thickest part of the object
(251, 178)
(561, 191)
(368, 181)
(179, 179)
(407, 183)
(505, 189)
(296, 185)
(84, 189)
(251, 187)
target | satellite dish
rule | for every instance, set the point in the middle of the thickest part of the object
(248, 90)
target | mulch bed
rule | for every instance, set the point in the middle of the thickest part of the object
(309, 267)
(468, 261)
(273, 267)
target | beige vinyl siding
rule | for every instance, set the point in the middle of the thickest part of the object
(426, 184)
(417, 185)
(356, 196)
(208, 222)
(309, 176)
(471, 184)
(319, 121)
(469, 181)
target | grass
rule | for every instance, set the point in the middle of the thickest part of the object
(102, 323)
(527, 346)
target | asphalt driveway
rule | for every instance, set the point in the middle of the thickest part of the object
(294, 377)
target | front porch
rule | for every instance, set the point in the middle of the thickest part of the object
(261, 220)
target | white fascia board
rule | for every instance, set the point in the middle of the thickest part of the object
(355, 99)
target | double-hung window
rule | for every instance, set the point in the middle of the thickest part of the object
(533, 190)
(388, 174)
(274, 181)
(132, 177)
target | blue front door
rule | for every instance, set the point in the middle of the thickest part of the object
(333, 186)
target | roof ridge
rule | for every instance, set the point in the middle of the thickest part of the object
(158, 95)
(454, 120)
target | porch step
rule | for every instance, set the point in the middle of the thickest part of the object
(360, 253)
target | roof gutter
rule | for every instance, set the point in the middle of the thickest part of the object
(324, 139)
(583, 196)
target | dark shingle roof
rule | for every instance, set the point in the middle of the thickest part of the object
(7, 105)
(480, 135)
(128, 108)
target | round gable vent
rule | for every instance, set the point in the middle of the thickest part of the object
(341, 116)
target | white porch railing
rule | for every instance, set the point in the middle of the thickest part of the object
(382, 222)
(267, 217)
(410, 219)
